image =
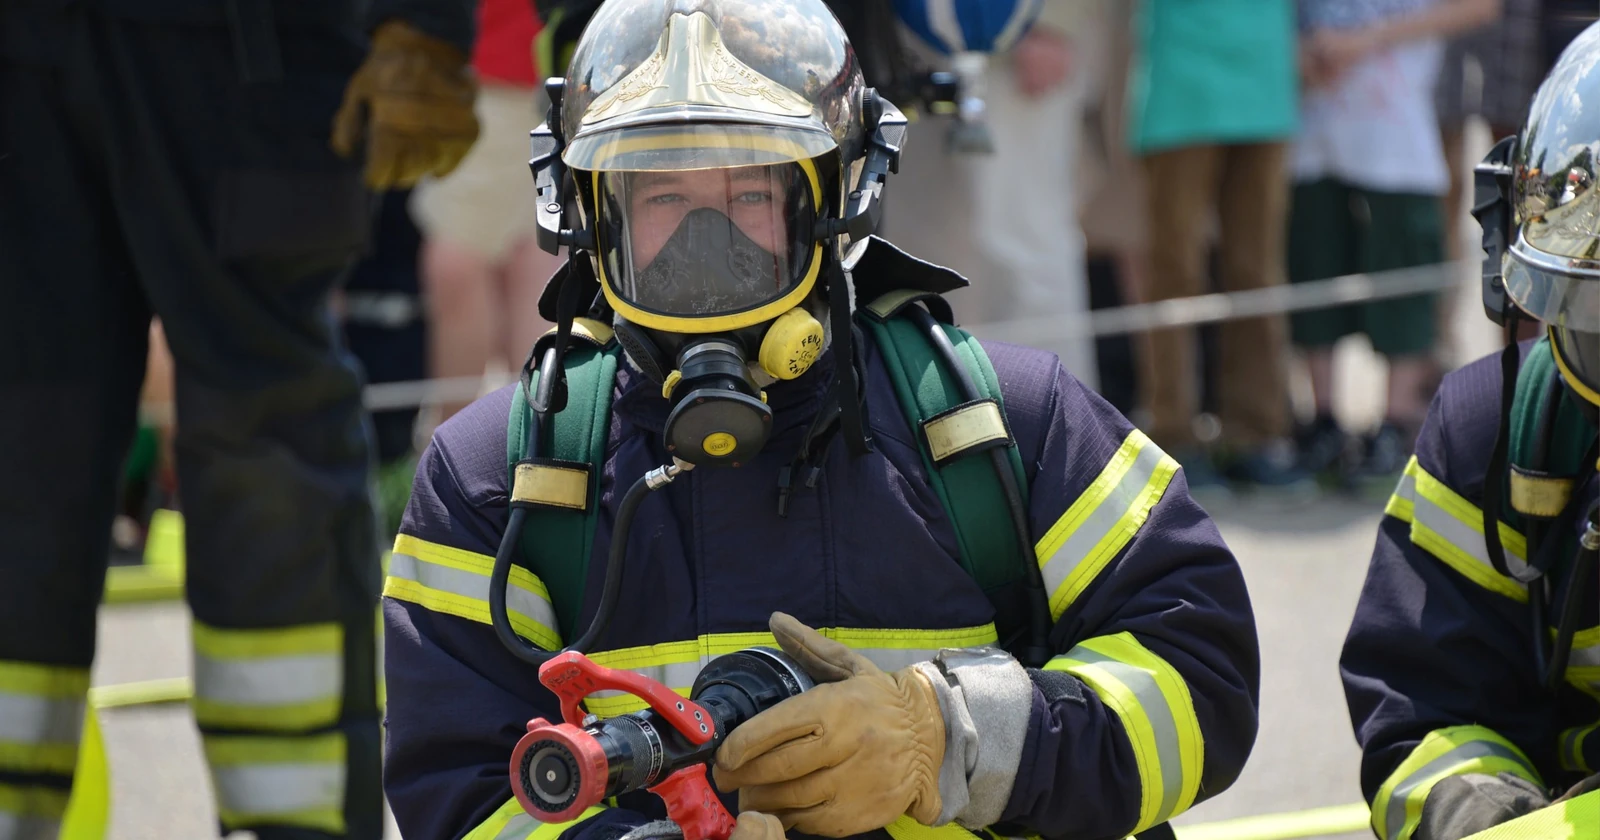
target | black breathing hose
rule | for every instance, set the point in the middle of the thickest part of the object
(1583, 567)
(1037, 651)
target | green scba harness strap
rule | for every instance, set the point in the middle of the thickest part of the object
(1541, 490)
(558, 539)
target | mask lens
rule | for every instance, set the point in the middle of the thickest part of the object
(707, 242)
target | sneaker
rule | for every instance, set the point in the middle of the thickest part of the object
(1206, 484)
(1385, 453)
(1272, 467)
(1324, 449)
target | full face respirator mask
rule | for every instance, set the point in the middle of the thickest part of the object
(712, 274)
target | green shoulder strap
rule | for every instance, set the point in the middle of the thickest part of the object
(967, 486)
(557, 542)
(1530, 489)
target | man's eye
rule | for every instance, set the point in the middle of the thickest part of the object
(754, 197)
(665, 198)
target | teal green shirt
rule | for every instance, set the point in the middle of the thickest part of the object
(1213, 71)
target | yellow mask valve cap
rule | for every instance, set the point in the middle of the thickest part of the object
(718, 444)
(792, 344)
(670, 384)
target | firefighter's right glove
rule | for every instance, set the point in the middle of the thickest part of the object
(409, 106)
(1460, 806)
(849, 756)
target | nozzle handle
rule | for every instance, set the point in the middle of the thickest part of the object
(693, 805)
(573, 677)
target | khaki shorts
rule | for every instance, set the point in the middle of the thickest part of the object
(487, 204)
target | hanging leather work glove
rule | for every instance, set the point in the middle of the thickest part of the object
(411, 102)
(754, 825)
(848, 756)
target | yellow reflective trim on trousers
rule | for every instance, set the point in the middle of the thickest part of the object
(1457, 750)
(1157, 711)
(456, 582)
(511, 822)
(1103, 519)
(1570, 745)
(287, 679)
(675, 664)
(1450, 528)
(41, 716)
(287, 780)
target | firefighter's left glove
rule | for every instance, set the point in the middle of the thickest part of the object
(846, 757)
(410, 106)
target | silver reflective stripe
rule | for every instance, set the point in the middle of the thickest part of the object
(470, 585)
(20, 827)
(1395, 820)
(518, 828)
(268, 681)
(1105, 517)
(1154, 705)
(1460, 535)
(30, 719)
(1584, 657)
(681, 674)
(280, 788)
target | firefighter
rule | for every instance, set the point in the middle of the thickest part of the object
(1472, 668)
(1023, 619)
(172, 158)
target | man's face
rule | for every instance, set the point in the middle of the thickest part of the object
(752, 196)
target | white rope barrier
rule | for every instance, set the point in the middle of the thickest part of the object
(1046, 330)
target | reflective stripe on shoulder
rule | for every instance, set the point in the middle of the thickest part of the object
(281, 780)
(1397, 808)
(456, 582)
(1450, 528)
(676, 664)
(1103, 520)
(1153, 702)
(277, 679)
(41, 717)
(511, 822)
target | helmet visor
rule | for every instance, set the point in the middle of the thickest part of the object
(703, 250)
(1552, 290)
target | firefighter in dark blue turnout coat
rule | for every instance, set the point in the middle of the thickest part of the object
(725, 191)
(1472, 668)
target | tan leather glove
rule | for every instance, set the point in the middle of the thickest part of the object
(753, 825)
(846, 757)
(411, 101)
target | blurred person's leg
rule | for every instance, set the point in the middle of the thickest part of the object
(1252, 369)
(1027, 207)
(1404, 233)
(384, 323)
(1324, 241)
(73, 327)
(1180, 195)
(472, 221)
(240, 223)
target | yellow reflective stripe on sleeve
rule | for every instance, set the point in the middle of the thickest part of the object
(278, 679)
(27, 811)
(1397, 808)
(288, 780)
(1450, 528)
(675, 664)
(41, 716)
(1571, 744)
(456, 582)
(1103, 520)
(906, 828)
(511, 822)
(1153, 702)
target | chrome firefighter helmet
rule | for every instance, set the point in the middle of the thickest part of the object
(1550, 262)
(726, 165)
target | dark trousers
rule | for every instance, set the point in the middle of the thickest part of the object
(141, 175)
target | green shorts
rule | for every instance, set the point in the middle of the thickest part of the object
(1337, 229)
